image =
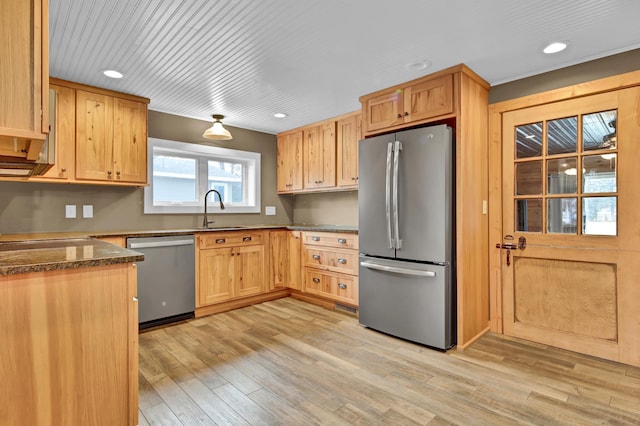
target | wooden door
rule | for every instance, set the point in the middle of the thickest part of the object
(64, 131)
(130, 141)
(348, 134)
(570, 189)
(250, 270)
(429, 99)
(94, 136)
(216, 275)
(290, 162)
(320, 156)
(278, 258)
(383, 110)
(295, 263)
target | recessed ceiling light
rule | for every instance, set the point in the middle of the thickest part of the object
(112, 74)
(555, 47)
(417, 65)
(279, 115)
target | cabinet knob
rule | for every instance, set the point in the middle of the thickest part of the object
(118, 173)
(109, 173)
(64, 169)
(316, 280)
(342, 241)
(342, 285)
(315, 238)
(246, 239)
(316, 257)
(399, 115)
(342, 261)
(221, 241)
(406, 113)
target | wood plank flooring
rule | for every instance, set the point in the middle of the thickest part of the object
(287, 362)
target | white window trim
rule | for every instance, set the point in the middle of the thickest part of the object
(252, 178)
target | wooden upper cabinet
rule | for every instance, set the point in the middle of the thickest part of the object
(417, 101)
(348, 134)
(319, 144)
(290, 162)
(130, 141)
(94, 136)
(24, 86)
(111, 138)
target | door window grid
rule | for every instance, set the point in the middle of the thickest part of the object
(551, 158)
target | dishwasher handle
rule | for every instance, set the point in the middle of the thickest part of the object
(394, 269)
(172, 243)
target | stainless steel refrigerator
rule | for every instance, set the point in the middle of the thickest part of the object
(406, 234)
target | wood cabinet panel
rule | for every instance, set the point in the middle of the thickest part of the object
(428, 99)
(250, 271)
(383, 110)
(94, 136)
(345, 261)
(278, 258)
(342, 288)
(330, 239)
(289, 175)
(319, 143)
(295, 262)
(230, 239)
(69, 346)
(349, 133)
(130, 141)
(24, 88)
(216, 275)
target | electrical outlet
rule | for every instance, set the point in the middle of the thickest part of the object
(70, 211)
(270, 210)
(87, 211)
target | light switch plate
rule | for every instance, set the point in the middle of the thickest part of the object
(70, 211)
(87, 211)
(270, 210)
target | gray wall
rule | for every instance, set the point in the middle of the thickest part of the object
(39, 207)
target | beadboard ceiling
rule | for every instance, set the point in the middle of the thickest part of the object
(248, 59)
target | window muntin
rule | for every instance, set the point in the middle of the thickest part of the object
(574, 155)
(181, 173)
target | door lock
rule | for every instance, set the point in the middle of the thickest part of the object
(522, 244)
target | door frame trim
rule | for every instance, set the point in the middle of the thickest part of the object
(496, 111)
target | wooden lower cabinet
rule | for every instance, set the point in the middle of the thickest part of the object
(335, 286)
(69, 352)
(285, 268)
(230, 265)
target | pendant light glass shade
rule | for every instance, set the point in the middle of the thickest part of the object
(217, 131)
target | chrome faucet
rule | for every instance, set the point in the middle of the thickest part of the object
(206, 222)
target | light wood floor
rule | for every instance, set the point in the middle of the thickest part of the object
(291, 363)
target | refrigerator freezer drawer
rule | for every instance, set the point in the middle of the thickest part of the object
(413, 301)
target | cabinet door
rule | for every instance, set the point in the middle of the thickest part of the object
(290, 162)
(250, 270)
(429, 99)
(320, 156)
(278, 259)
(94, 136)
(383, 110)
(216, 276)
(348, 135)
(64, 132)
(24, 86)
(295, 263)
(130, 141)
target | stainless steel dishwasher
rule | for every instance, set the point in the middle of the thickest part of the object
(166, 279)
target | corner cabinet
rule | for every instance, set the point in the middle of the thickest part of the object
(24, 90)
(289, 162)
(459, 98)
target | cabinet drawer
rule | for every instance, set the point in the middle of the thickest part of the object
(331, 239)
(345, 261)
(339, 287)
(227, 239)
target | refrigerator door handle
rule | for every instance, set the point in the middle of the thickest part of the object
(387, 193)
(396, 270)
(396, 221)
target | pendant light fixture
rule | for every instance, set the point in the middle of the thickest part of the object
(217, 131)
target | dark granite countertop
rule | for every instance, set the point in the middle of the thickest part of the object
(55, 254)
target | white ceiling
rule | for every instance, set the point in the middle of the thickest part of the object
(248, 59)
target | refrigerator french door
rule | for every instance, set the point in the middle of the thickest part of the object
(406, 222)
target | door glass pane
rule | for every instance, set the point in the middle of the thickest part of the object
(599, 130)
(562, 135)
(529, 178)
(599, 215)
(599, 174)
(529, 215)
(562, 215)
(529, 140)
(561, 176)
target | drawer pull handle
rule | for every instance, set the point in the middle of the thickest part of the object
(315, 238)
(316, 257)
(316, 280)
(245, 239)
(342, 241)
(221, 240)
(341, 260)
(342, 285)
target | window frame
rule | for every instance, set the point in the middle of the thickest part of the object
(203, 154)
